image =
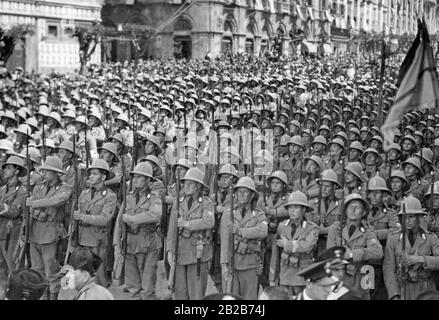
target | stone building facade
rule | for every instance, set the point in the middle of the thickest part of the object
(200, 26)
(50, 48)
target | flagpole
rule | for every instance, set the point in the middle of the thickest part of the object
(383, 67)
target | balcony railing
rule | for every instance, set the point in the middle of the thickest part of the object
(340, 32)
(283, 7)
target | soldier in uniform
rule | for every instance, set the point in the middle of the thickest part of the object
(319, 282)
(291, 162)
(308, 180)
(193, 226)
(46, 208)
(96, 208)
(227, 178)
(246, 226)
(329, 211)
(12, 196)
(407, 273)
(108, 152)
(273, 207)
(357, 237)
(354, 180)
(413, 172)
(143, 211)
(295, 242)
(338, 257)
(384, 221)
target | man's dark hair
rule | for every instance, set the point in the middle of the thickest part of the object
(277, 293)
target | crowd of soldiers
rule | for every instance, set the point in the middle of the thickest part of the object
(253, 173)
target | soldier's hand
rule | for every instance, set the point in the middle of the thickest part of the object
(183, 223)
(5, 209)
(411, 260)
(220, 209)
(29, 202)
(272, 283)
(282, 242)
(170, 258)
(77, 215)
(126, 218)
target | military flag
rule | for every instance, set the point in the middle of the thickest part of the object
(417, 81)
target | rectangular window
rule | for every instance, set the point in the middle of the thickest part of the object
(52, 31)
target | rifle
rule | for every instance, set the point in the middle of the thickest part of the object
(26, 220)
(403, 266)
(44, 138)
(73, 225)
(430, 213)
(174, 264)
(215, 190)
(342, 198)
(232, 240)
(119, 273)
(87, 148)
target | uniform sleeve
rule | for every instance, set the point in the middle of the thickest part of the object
(432, 262)
(259, 231)
(207, 220)
(16, 207)
(390, 268)
(382, 234)
(117, 176)
(172, 229)
(332, 235)
(102, 219)
(151, 215)
(305, 245)
(56, 200)
(373, 250)
(225, 235)
(281, 212)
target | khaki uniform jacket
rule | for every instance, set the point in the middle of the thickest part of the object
(246, 247)
(418, 188)
(47, 212)
(296, 255)
(384, 222)
(99, 212)
(362, 189)
(365, 249)
(311, 189)
(291, 165)
(15, 198)
(201, 222)
(226, 204)
(278, 210)
(142, 232)
(324, 217)
(420, 278)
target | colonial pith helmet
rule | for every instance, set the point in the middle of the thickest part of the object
(379, 160)
(316, 159)
(355, 168)
(143, 169)
(228, 169)
(331, 176)
(352, 197)
(278, 175)
(411, 205)
(246, 182)
(110, 147)
(101, 164)
(298, 198)
(196, 175)
(16, 161)
(377, 183)
(54, 164)
(414, 162)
